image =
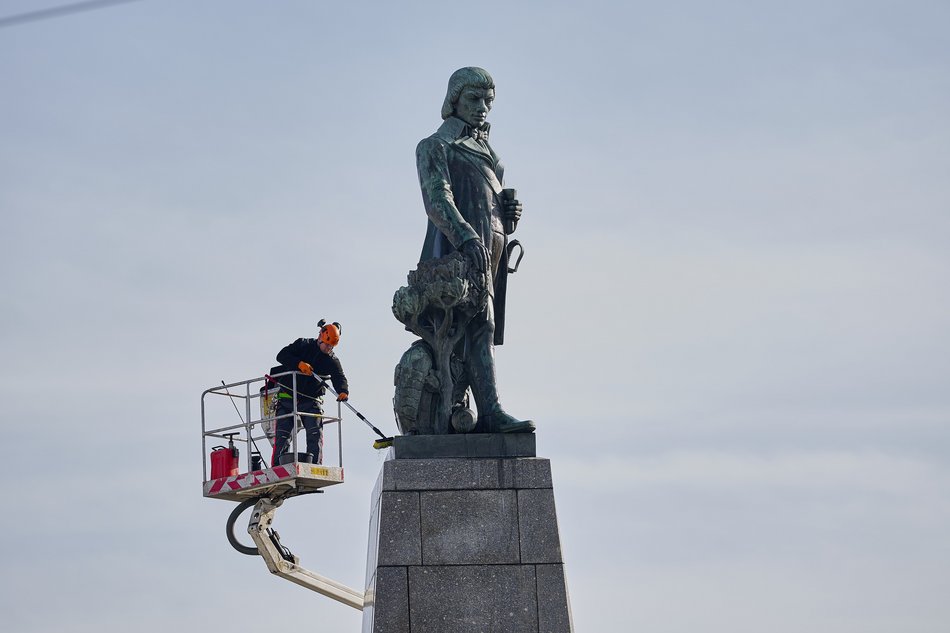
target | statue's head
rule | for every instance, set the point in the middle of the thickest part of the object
(472, 77)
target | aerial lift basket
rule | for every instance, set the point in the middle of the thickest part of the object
(233, 479)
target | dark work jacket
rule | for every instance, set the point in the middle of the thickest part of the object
(307, 350)
(461, 180)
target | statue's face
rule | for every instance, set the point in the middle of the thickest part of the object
(474, 104)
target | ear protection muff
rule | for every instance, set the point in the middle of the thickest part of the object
(329, 332)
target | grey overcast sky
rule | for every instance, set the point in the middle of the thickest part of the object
(731, 324)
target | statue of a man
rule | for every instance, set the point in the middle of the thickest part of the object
(461, 179)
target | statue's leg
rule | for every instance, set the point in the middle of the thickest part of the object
(480, 349)
(480, 366)
(497, 250)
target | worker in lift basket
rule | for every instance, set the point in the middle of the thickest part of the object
(309, 356)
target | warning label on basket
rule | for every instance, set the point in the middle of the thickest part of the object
(320, 471)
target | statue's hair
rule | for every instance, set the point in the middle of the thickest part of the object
(468, 76)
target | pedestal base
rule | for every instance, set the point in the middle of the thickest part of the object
(465, 545)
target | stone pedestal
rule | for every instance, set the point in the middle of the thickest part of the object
(464, 539)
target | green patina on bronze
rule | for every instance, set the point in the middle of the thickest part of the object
(455, 300)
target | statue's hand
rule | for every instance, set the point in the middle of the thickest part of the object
(477, 255)
(512, 210)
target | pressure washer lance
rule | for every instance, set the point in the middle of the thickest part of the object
(383, 441)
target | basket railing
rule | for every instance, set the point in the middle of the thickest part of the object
(257, 423)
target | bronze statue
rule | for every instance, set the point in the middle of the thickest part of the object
(456, 298)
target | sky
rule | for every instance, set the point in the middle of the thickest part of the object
(731, 325)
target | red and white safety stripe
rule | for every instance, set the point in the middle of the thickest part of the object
(249, 480)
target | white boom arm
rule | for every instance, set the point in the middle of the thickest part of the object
(259, 529)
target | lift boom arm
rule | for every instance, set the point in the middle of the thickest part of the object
(267, 545)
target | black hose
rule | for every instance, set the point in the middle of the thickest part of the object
(232, 519)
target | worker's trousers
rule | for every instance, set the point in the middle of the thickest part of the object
(286, 426)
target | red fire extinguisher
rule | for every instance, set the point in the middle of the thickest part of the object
(224, 461)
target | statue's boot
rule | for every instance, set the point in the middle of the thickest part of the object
(494, 420)
(480, 368)
(501, 422)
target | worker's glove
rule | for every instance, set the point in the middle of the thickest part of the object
(305, 368)
(342, 396)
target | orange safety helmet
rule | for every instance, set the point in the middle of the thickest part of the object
(329, 333)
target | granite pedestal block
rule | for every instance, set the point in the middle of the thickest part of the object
(465, 544)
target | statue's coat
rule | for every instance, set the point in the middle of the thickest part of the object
(461, 180)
